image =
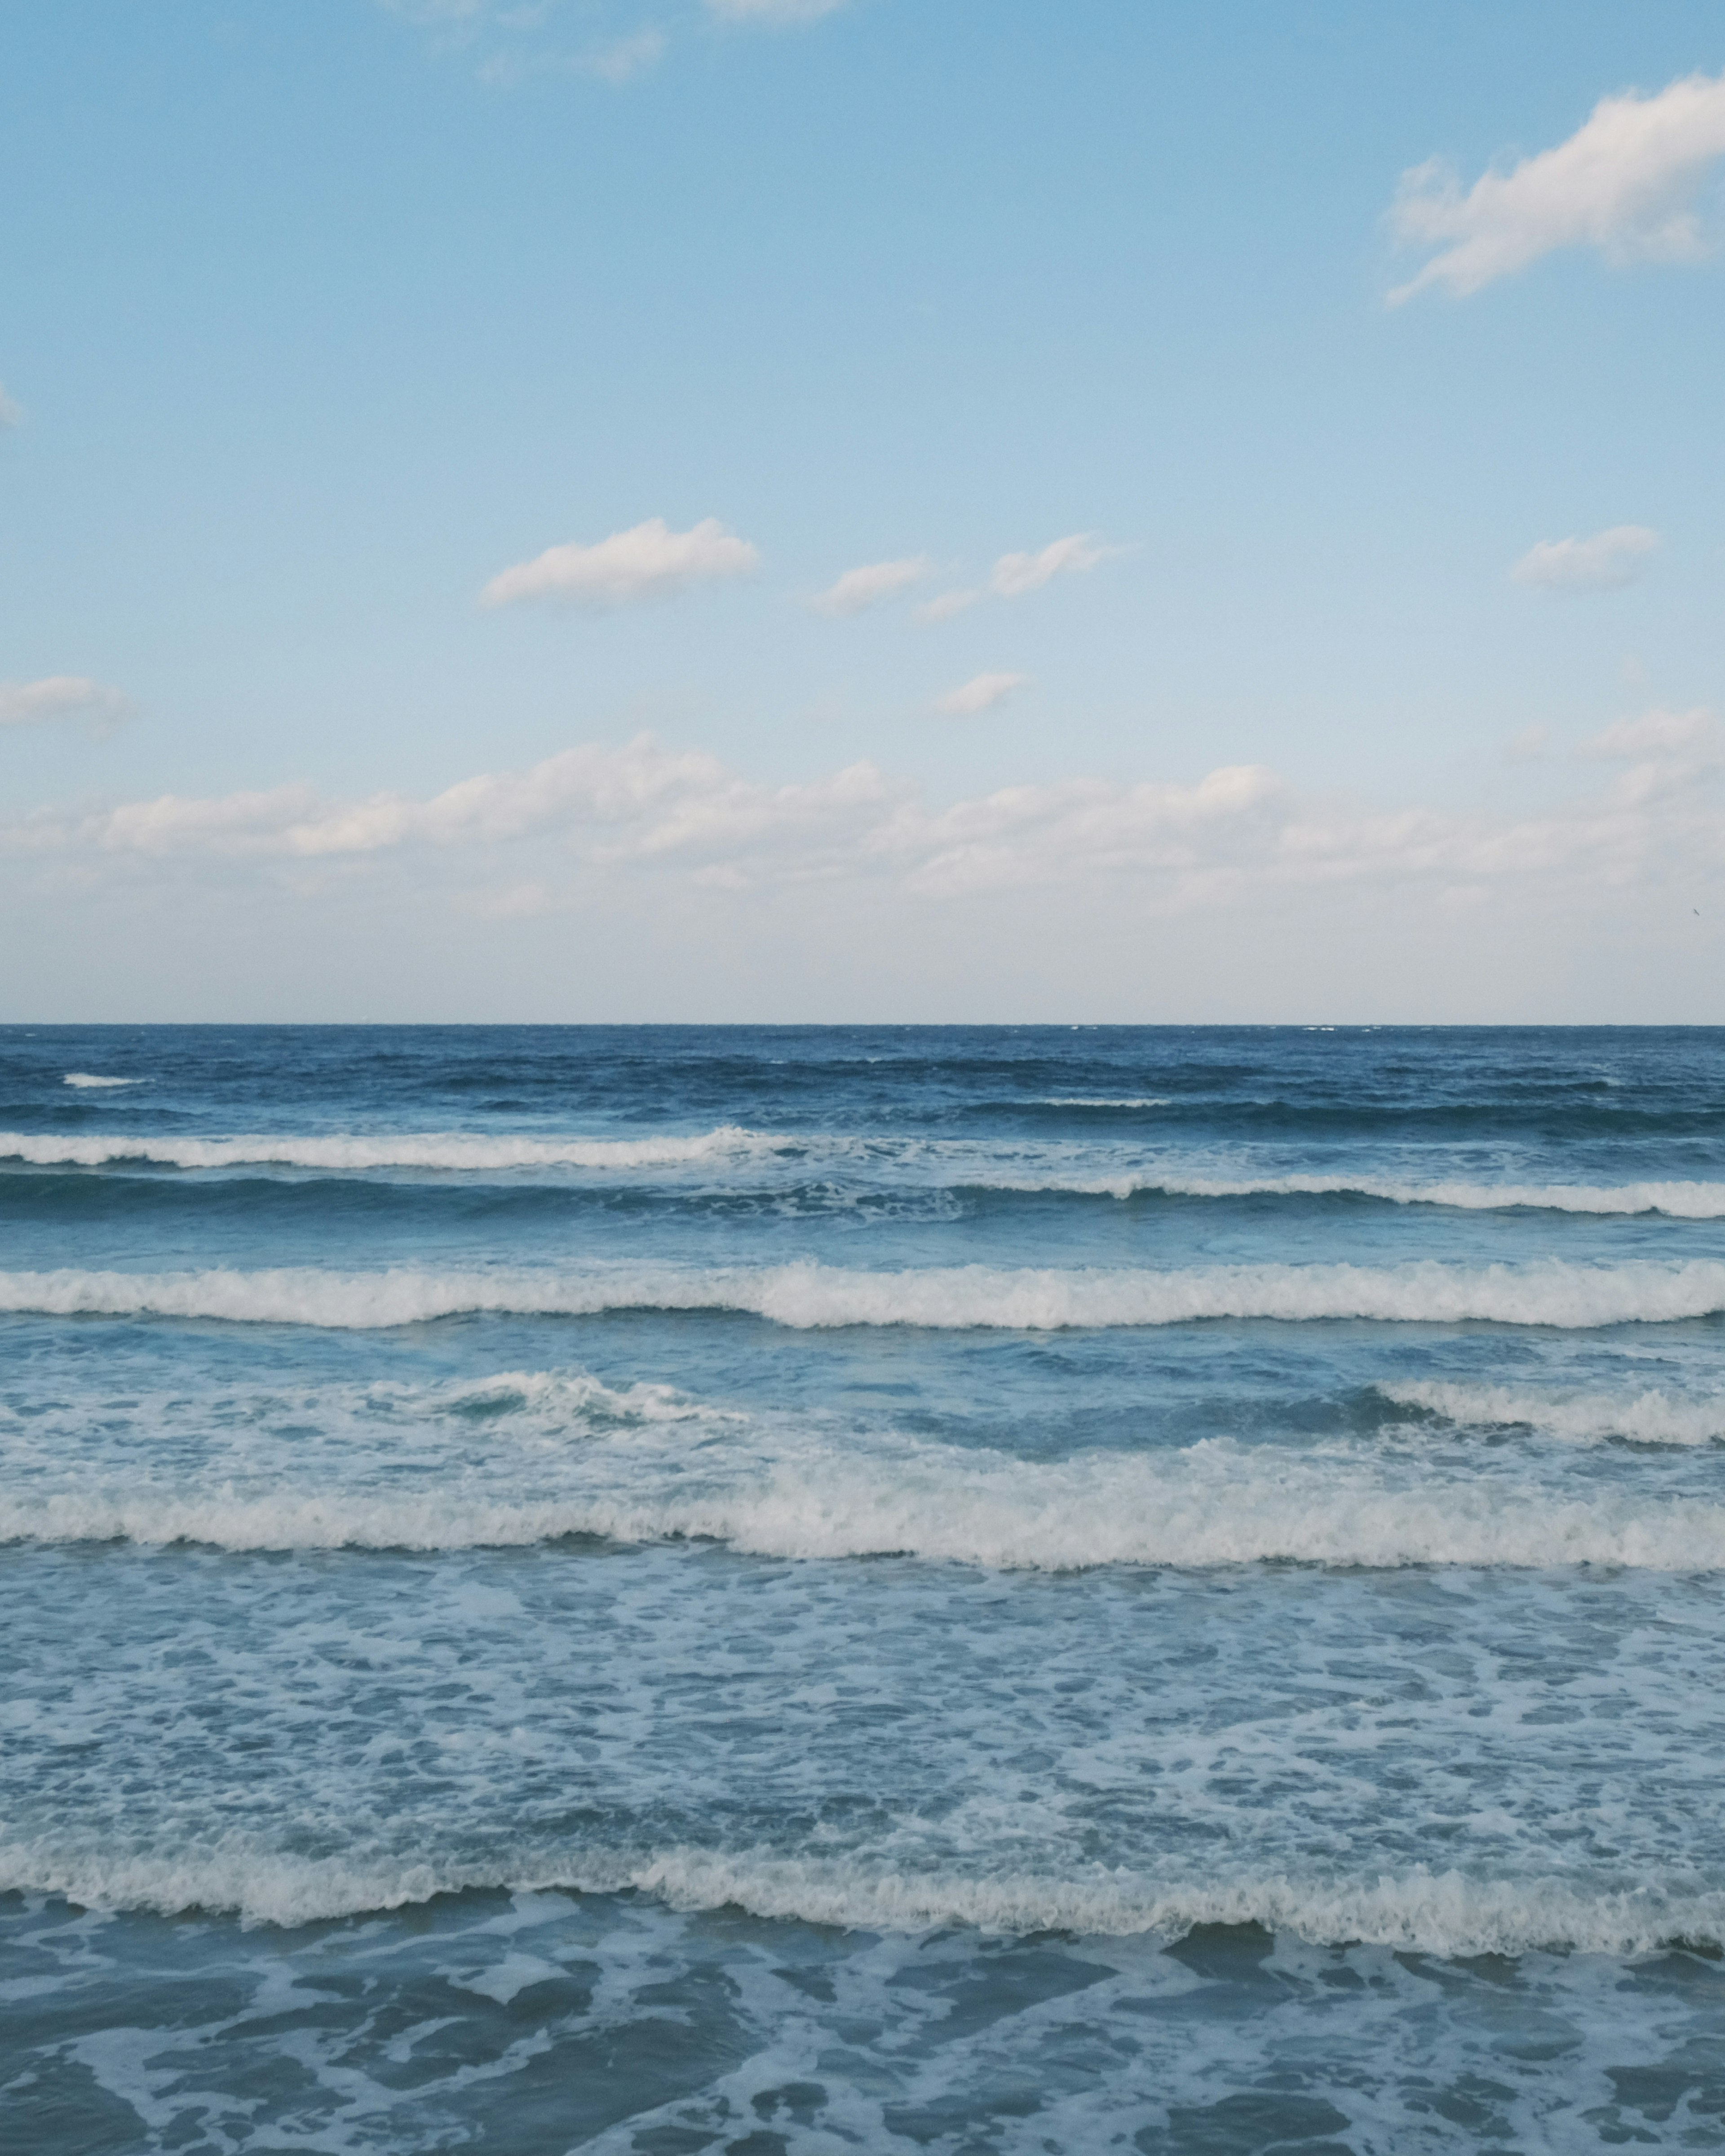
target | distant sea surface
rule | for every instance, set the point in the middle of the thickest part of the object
(807, 1590)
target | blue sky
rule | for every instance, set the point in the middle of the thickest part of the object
(321, 318)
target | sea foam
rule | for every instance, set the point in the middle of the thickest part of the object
(433, 1149)
(818, 1497)
(1550, 1292)
(1646, 1418)
(1681, 1201)
(1449, 1912)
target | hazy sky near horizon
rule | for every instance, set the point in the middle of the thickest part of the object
(839, 509)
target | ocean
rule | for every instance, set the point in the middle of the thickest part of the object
(863, 1588)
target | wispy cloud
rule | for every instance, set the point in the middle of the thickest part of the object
(871, 583)
(1656, 734)
(945, 605)
(60, 696)
(649, 560)
(10, 413)
(512, 40)
(623, 58)
(1016, 574)
(617, 61)
(980, 694)
(1242, 833)
(773, 14)
(1626, 182)
(1605, 563)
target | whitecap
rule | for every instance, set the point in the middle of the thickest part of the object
(1687, 1201)
(1550, 1292)
(1645, 1417)
(814, 1497)
(445, 1149)
(1417, 1910)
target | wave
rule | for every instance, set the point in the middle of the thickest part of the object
(1214, 1504)
(956, 1169)
(1090, 1100)
(1686, 1201)
(1648, 1418)
(1551, 1292)
(88, 1079)
(447, 1149)
(1419, 1911)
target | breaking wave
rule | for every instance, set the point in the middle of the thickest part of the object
(89, 1080)
(1216, 1503)
(1090, 1100)
(435, 1149)
(1682, 1201)
(1648, 1418)
(1547, 1293)
(1419, 1911)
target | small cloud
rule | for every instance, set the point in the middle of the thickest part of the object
(980, 695)
(948, 603)
(1655, 733)
(867, 586)
(1015, 574)
(1605, 563)
(773, 14)
(1527, 747)
(651, 561)
(10, 413)
(623, 58)
(1626, 183)
(60, 696)
(618, 62)
(516, 901)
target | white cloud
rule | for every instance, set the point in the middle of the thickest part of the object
(623, 58)
(867, 586)
(515, 40)
(10, 413)
(1015, 574)
(945, 605)
(1605, 563)
(1243, 835)
(647, 561)
(980, 695)
(60, 696)
(773, 13)
(618, 62)
(1654, 734)
(1626, 183)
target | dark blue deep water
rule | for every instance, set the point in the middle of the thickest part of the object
(658, 1590)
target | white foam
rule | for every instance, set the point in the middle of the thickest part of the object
(1089, 1101)
(1684, 1201)
(1547, 1293)
(815, 1497)
(89, 1078)
(435, 1149)
(1647, 1417)
(1419, 1911)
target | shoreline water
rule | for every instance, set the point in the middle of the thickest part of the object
(749, 1594)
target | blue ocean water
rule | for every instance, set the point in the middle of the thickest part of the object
(813, 1590)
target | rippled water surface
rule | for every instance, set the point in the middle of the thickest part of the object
(960, 1590)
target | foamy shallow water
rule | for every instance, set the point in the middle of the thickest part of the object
(664, 1590)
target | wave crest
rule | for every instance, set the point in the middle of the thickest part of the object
(775, 1494)
(1648, 1418)
(1450, 1913)
(1547, 1293)
(452, 1150)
